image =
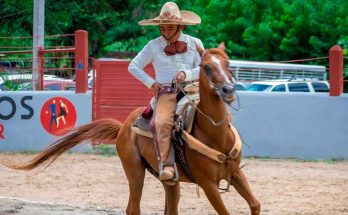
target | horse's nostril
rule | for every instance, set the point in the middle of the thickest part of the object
(227, 89)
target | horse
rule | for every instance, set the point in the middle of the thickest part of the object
(211, 126)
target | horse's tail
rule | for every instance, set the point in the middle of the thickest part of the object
(99, 130)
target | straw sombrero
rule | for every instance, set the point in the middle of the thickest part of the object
(170, 14)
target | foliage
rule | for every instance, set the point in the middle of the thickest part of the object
(270, 30)
(106, 150)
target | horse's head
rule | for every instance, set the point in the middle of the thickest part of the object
(214, 68)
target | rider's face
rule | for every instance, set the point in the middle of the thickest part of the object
(169, 31)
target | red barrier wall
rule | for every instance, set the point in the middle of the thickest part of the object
(116, 92)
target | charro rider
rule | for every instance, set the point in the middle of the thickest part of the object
(174, 57)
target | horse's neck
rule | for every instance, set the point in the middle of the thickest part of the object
(211, 106)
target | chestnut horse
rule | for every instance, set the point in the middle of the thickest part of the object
(211, 126)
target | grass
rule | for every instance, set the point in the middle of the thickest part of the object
(107, 150)
(269, 158)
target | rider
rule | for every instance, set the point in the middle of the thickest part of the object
(174, 57)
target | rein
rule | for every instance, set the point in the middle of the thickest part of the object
(211, 120)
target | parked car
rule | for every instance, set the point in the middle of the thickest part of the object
(47, 85)
(72, 86)
(240, 86)
(290, 86)
(9, 81)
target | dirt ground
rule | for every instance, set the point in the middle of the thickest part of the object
(92, 184)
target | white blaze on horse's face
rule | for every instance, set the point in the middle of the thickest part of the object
(219, 80)
(217, 61)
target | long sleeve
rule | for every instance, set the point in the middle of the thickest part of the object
(193, 74)
(166, 67)
(136, 67)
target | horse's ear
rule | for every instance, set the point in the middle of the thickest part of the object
(222, 46)
(199, 49)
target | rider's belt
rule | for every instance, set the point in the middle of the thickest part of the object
(166, 90)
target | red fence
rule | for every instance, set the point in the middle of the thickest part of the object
(116, 92)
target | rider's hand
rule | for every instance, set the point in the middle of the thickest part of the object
(180, 77)
(156, 87)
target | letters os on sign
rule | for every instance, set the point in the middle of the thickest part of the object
(13, 107)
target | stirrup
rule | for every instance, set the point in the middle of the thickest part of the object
(176, 173)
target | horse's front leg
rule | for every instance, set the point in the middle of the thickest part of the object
(212, 192)
(172, 198)
(240, 183)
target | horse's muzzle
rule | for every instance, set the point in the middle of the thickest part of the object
(226, 92)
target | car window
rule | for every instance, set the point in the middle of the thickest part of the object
(259, 87)
(239, 87)
(298, 87)
(25, 86)
(53, 86)
(279, 88)
(320, 87)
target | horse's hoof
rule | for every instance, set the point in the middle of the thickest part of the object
(166, 175)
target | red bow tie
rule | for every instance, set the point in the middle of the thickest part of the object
(177, 47)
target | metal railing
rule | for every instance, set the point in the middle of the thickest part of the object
(255, 71)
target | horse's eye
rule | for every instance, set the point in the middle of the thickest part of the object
(207, 70)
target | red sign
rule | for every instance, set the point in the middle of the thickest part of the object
(58, 116)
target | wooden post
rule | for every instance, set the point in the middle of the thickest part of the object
(41, 68)
(38, 42)
(81, 61)
(336, 70)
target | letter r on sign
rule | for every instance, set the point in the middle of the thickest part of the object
(2, 129)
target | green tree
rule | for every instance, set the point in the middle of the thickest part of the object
(270, 30)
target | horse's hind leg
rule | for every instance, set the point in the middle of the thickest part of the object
(172, 198)
(240, 182)
(214, 197)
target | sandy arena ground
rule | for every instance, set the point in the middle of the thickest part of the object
(80, 184)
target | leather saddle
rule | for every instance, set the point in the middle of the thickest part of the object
(184, 117)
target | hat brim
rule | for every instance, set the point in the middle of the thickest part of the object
(187, 18)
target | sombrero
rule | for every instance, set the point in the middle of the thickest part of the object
(170, 14)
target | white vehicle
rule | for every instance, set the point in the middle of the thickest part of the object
(290, 86)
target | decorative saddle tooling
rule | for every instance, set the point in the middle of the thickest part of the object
(183, 122)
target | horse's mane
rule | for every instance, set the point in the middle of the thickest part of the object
(217, 51)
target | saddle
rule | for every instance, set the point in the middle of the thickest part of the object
(184, 116)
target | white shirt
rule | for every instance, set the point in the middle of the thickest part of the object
(166, 67)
